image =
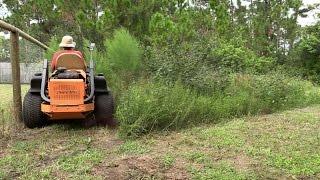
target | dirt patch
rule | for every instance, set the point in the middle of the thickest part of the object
(27, 134)
(242, 162)
(107, 143)
(127, 168)
(178, 171)
(105, 138)
(111, 170)
(3, 143)
(2, 155)
(144, 164)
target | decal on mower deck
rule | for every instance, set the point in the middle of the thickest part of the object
(67, 92)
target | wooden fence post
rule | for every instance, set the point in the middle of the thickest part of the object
(15, 64)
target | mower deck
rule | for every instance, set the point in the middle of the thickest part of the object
(67, 112)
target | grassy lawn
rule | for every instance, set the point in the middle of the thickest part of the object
(6, 94)
(278, 146)
(7, 123)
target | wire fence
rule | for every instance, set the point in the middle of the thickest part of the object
(26, 72)
(30, 55)
(31, 58)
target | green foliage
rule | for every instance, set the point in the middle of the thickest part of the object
(168, 161)
(155, 106)
(121, 63)
(266, 26)
(220, 9)
(54, 46)
(204, 65)
(299, 164)
(232, 58)
(123, 52)
(221, 170)
(133, 147)
(308, 51)
(166, 30)
(198, 157)
(81, 162)
(5, 50)
(161, 28)
(132, 15)
(184, 64)
(29, 52)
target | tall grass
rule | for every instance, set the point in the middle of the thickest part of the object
(8, 124)
(155, 106)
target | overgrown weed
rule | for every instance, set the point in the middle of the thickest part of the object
(151, 105)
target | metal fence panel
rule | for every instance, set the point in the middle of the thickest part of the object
(26, 72)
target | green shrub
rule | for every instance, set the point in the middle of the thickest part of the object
(185, 63)
(123, 52)
(156, 106)
(272, 92)
(306, 54)
(234, 58)
(121, 62)
(205, 64)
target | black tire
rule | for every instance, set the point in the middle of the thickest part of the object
(32, 115)
(89, 122)
(104, 109)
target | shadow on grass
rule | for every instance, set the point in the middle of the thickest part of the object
(80, 124)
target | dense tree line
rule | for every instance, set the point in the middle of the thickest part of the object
(231, 35)
(265, 27)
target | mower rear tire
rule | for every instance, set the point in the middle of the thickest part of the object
(32, 115)
(104, 109)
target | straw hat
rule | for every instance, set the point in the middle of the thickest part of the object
(67, 41)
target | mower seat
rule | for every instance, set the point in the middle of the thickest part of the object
(70, 60)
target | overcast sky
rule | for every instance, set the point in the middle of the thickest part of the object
(312, 15)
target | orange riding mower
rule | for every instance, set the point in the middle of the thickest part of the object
(72, 91)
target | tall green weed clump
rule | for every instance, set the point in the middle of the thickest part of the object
(123, 52)
(204, 65)
(121, 61)
(151, 106)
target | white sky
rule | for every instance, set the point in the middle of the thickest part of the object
(312, 17)
(3, 10)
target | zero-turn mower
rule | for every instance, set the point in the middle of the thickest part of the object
(72, 91)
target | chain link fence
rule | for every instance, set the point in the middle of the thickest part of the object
(31, 57)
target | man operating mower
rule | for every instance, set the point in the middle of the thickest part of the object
(67, 46)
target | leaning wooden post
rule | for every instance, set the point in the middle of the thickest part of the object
(15, 66)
